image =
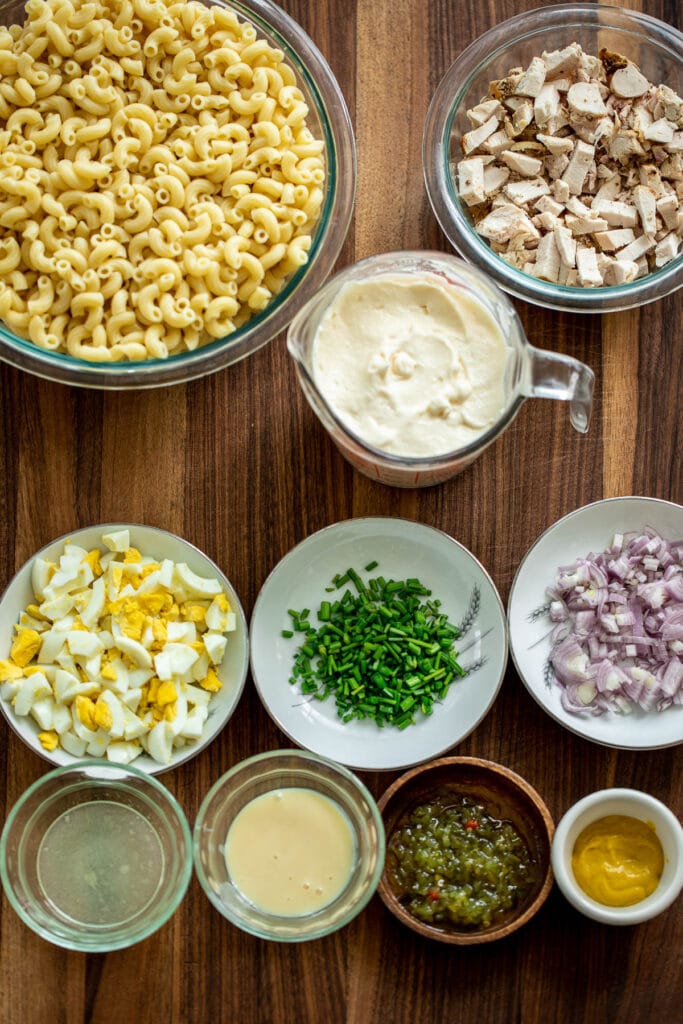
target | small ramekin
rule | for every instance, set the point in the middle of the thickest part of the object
(634, 804)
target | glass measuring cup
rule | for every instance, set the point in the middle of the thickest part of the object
(530, 372)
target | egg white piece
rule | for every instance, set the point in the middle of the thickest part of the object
(215, 644)
(33, 689)
(121, 752)
(117, 540)
(196, 586)
(174, 660)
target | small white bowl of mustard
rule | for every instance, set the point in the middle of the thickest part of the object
(617, 856)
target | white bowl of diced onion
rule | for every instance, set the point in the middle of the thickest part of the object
(124, 642)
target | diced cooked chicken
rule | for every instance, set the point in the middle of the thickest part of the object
(628, 82)
(526, 166)
(560, 190)
(615, 239)
(505, 87)
(585, 99)
(625, 145)
(672, 168)
(546, 105)
(616, 213)
(547, 264)
(546, 204)
(566, 245)
(471, 181)
(666, 249)
(496, 143)
(483, 111)
(573, 170)
(585, 225)
(504, 222)
(587, 267)
(531, 82)
(522, 117)
(523, 192)
(639, 247)
(579, 163)
(621, 272)
(667, 208)
(472, 140)
(644, 202)
(660, 131)
(560, 61)
(555, 145)
(649, 174)
(494, 179)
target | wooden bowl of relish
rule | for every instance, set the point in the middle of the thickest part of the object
(468, 850)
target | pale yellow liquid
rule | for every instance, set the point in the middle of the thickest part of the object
(290, 852)
(100, 863)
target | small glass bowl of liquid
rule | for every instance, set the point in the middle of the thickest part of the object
(95, 857)
(289, 846)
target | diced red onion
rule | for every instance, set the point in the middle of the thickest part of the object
(618, 638)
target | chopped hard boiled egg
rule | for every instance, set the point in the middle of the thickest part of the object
(117, 654)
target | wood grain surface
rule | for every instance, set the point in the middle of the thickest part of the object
(238, 464)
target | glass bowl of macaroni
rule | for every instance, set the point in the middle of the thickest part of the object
(657, 49)
(289, 846)
(176, 180)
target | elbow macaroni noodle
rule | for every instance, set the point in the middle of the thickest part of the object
(158, 181)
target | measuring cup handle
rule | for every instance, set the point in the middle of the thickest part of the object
(552, 375)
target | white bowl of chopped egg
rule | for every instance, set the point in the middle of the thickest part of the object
(176, 179)
(121, 642)
(552, 156)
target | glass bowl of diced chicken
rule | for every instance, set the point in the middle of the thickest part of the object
(553, 157)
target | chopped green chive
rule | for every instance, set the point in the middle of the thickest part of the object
(381, 650)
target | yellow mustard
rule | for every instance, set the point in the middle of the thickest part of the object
(618, 860)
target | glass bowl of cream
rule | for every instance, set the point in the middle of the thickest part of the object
(415, 362)
(617, 856)
(289, 846)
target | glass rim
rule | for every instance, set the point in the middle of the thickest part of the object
(437, 159)
(122, 937)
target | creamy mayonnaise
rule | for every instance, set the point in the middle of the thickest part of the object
(410, 363)
(290, 852)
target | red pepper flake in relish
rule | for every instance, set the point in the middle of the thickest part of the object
(451, 862)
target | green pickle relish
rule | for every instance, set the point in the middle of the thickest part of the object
(451, 863)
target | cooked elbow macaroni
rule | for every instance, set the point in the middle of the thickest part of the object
(158, 181)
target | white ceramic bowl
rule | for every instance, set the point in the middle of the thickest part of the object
(402, 549)
(590, 528)
(634, 804)
(160, 544)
